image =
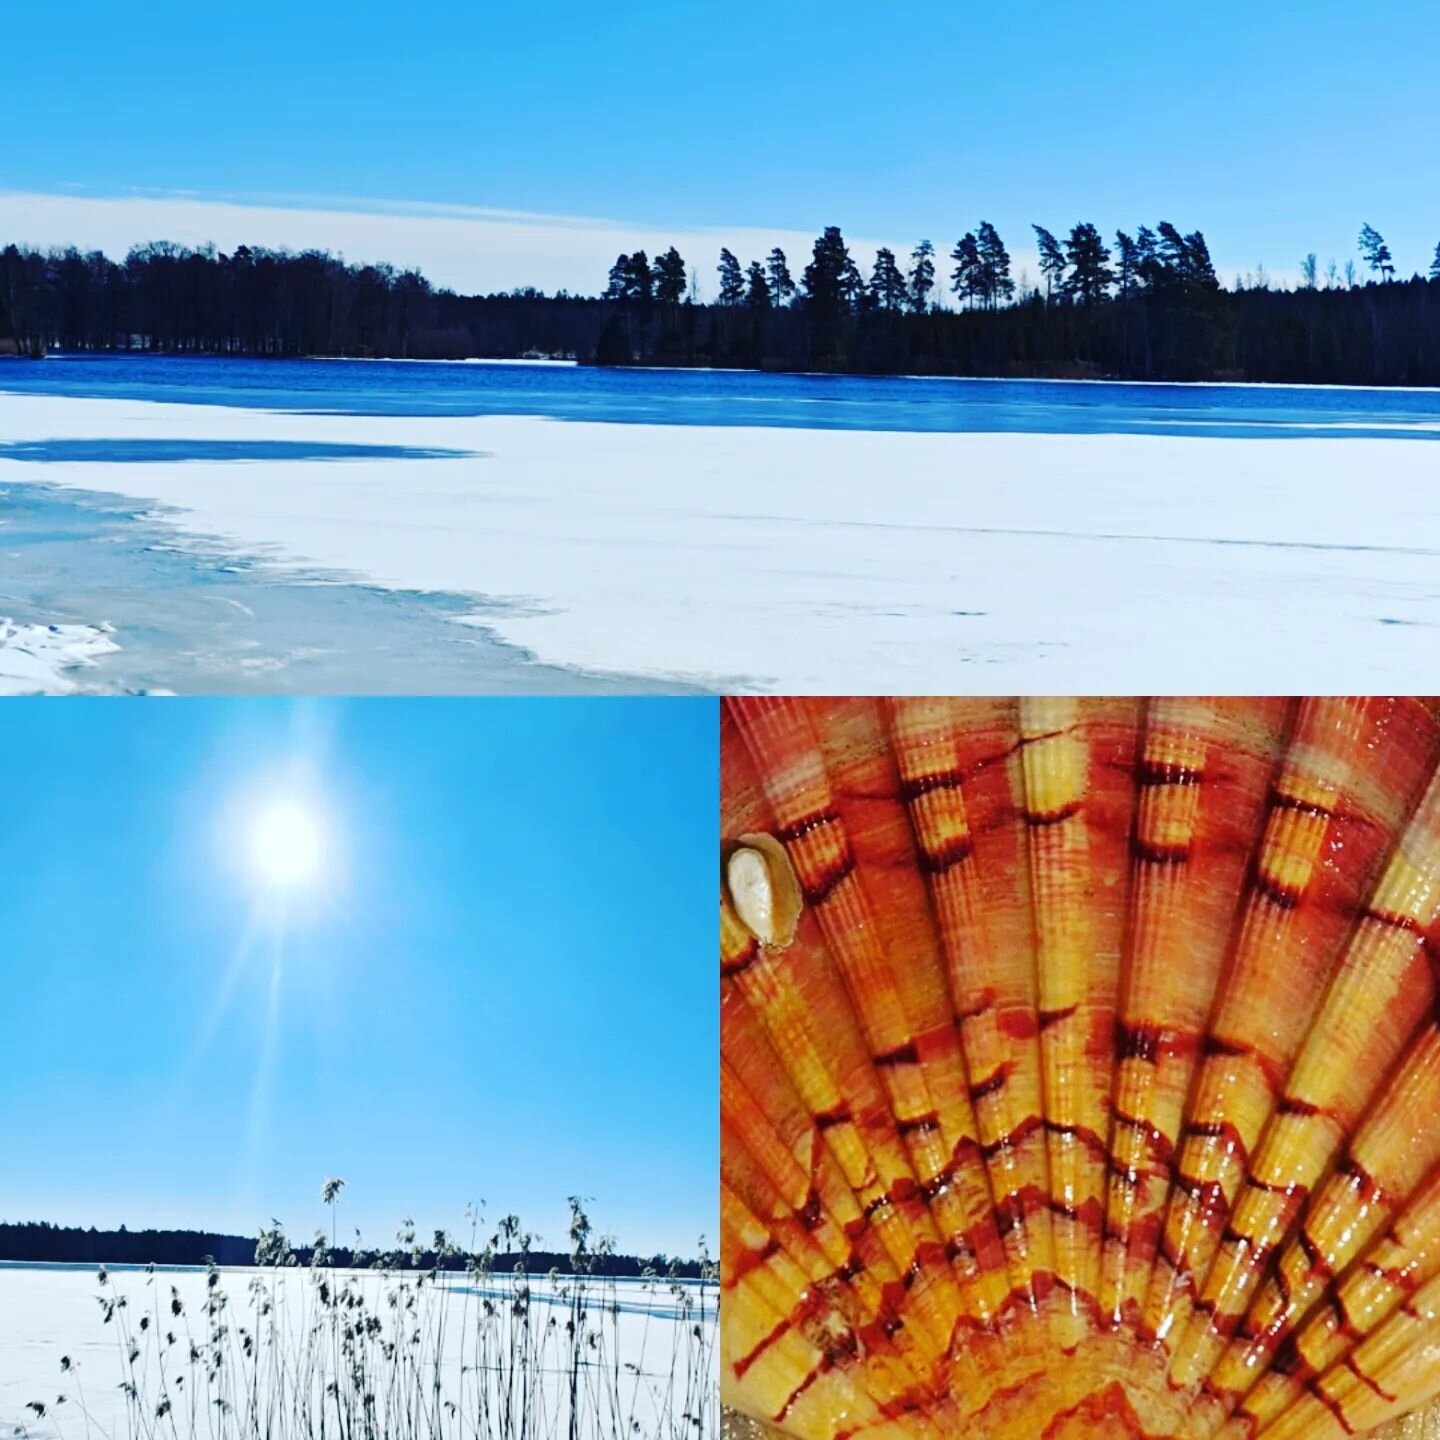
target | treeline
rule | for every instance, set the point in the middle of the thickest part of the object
(166, 297)
(1142, 305)
(38, 1241)
(1148, 306)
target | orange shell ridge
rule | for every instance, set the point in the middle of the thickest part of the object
(1081, 1067)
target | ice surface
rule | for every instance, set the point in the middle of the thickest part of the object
(193, 616)
(41, 659)
(49, 1315)
(803, 560)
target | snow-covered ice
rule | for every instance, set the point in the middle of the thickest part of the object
(42, 659)
(54, 1341)
(808, 560)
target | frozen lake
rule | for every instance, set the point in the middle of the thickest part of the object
(645, 1363)
(728, 397)
(356, 526)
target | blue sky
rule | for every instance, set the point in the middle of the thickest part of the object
(1276, 129)
(500, 984)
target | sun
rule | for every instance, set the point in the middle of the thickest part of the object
(286, 845)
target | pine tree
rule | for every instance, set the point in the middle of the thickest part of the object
(922, 276)
(631, 280)
(1375, 252)
(732, 279)
(642, 278)
(887, 284)
(821, 277)
(832, 286)
(996, 286)
(1435, 265)
(1090, 274)
(1309, 271)
(1052, 260)
(757, 292)
(782, 287)
(619, 286)
(1172, 254)
(965, 278)
(1147, 257)
(1201, 267)
(1128, 254)
(670, 277)
(828, 277)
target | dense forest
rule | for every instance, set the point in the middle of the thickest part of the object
(38, 1241)
(1147, 305)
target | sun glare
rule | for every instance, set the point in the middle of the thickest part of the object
(287, 845)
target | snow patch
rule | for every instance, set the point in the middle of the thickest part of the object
(834, 561)
(38, 659)
(49, 1311)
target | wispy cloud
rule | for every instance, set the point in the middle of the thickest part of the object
(470, 248)
(465, 247)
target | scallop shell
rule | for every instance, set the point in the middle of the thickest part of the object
(1093, 1085)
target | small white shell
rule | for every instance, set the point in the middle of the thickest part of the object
(764, 889)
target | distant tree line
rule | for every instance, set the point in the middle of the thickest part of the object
(165, 297)
(1147, 305)
(38, 1241)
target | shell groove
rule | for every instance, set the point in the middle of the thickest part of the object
(1091, 1085)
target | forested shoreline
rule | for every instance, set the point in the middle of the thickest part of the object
(1145, 306)
(40, 1242)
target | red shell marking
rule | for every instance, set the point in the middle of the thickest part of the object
(1086, 1083)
